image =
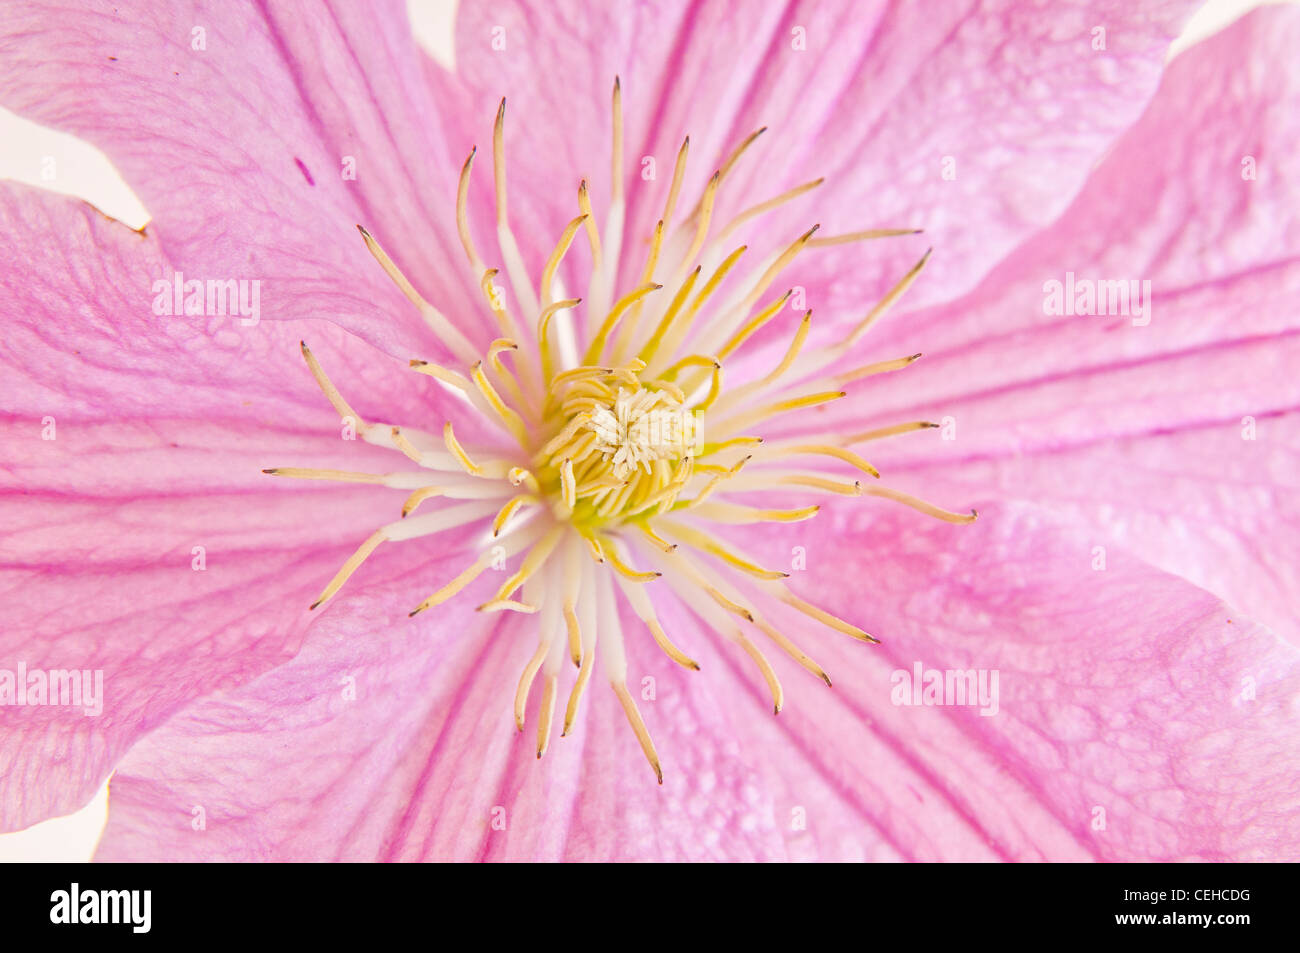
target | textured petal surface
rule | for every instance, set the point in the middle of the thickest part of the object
(1124, 691)
(1171, 432)
(877, 96)
(238, 126)
(130, 439)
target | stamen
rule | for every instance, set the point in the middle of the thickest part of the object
(638, 727)
(497, 305)
(735, 513)
(882, 432)
(442, 328)
(678, 330)
(341, 476)
(510, 509)
(929, 509)
(328, 389)
(532, 562)
(547, 714)
(514, 261)
(624, 570)
(863, 236)
(766, 481)
(526, 681)
(418, 497)
(597, 347)
(544, 334)
(553, 263)
(457, 451)
(512, 421)
(779, 264)
(568, 485)
(778, 451)
(353, 563)
(727, 165)
(759, 414)
(769, 205)
(782, 592)
(704, 213)
(769, 673)
(429, 524)
(508, 546)
(462, 215)
(448, 377)
(706, 543)
(572, 578)
(755, 323)
(679, 174)
(869, 370)
(640, 602)
(651, 346)
(495, 350)
(405, 445)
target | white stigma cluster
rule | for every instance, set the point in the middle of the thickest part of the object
(641, 428)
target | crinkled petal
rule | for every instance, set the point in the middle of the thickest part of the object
(880, 98)
(258, 137)
(133, 445)
(1171, 430)
(1127, 696)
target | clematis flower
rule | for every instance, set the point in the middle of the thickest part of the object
(1130, 470)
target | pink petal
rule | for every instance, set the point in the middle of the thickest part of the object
(1119, 690)
(1174, 438)
(130, 439)
(239, 149)
(876, 101)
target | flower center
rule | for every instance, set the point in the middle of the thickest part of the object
(624, 449)
(608, 457)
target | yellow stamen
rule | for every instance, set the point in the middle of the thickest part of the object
(546, 715)
(437, 321)
(512, 421)
(597, 347)
(868, 370)
(863, 236)
(929, 509)
(764, 666)
(553, 263)
(757, 415)
(769, 205)
(735, 513)
(462, 215)
(510, 509)
(706, 543)
(418, 497)
(354, 561)
(624, 570)
(753, 325)
(638, 727)
(457, 451)
(526, 681)
(544, 334)
(532, 562)
(340, 476)
(782, 451)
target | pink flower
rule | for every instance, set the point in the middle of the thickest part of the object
(1131, 469)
